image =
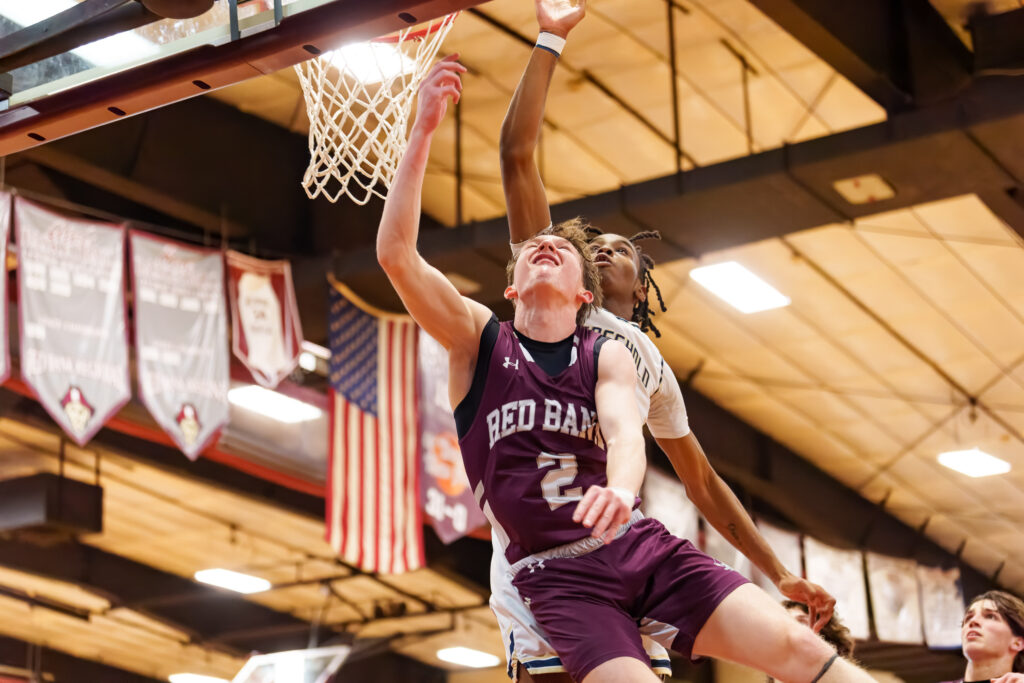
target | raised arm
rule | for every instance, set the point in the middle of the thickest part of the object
(435, 304)
(719, 505)
(528, 211)
(605, 508)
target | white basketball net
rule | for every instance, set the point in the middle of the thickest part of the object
(358, 100)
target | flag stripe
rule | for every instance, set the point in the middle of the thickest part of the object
(414, 550)
(375, 519)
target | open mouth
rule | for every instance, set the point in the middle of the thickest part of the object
(539, 258)
(974, 634)
(602, 259)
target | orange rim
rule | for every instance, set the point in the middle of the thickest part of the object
(421, 34)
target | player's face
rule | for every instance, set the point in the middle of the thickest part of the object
(985, 633)
(551, 262)
(619, 265)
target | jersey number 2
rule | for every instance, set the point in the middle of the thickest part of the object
(554, 481)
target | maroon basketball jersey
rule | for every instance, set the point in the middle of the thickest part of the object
(534, 445)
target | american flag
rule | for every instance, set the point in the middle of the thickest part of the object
(373, 518)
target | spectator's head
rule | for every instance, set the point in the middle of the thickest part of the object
(993, 629)
(834, 632)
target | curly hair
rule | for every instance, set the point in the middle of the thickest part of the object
(575, 230)
(835, 632)
(1011, 608)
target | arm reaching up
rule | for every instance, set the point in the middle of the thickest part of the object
(527, 203)
(435, 304)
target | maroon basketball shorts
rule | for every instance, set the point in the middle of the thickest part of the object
(591, 605)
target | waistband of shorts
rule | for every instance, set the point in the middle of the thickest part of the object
(583, 546)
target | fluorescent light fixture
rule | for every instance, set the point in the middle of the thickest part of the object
(738, 287)
(114, 50)
(195, 678)
(273, 404)
(465, 656)
(232, 581)
(974, 463)
(372, 62)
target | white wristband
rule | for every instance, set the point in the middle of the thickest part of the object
(551, 43)
(627, 496)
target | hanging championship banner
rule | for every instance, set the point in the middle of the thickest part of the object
(786, 546)
(265, 326)
(446, 497)
(942, 605)
(74, 345)
(895, 599)
(181, 339)
(841, 573)
(5, 225)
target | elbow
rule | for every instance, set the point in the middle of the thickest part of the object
(389, 257)
(514, 150)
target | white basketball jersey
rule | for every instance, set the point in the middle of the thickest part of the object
(657, 391)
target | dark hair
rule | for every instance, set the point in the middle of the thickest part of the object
(834, 632)
(575, 231)
(1011, 608)
(641, 309)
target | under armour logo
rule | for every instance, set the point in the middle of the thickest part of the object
(537, 565)
(723, 565)
(509, 362)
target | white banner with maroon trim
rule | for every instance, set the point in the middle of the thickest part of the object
(265, 328)
(181, 338)
(5, 227)
(71, 303)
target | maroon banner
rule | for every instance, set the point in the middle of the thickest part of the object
(181, 343)
(446, 497)
(265, 326)
(71, 304)
(5, 228)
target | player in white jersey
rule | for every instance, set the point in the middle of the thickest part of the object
(625, 272)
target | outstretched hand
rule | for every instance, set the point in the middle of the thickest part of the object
(559, 16)
(443, 82)
(820, 605)
(603, 509)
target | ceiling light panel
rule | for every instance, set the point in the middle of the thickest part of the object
(232, 581)
(974, 462)
(736, 285)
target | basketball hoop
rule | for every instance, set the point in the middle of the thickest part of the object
(358, 99)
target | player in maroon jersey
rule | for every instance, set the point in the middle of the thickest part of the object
(552, 442)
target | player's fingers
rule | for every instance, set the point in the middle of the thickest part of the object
(824, 613)
(449, 78)
(613, 529)
(451, 63)
(607, 515)
(584, 505)
(596, 512)
(451, 91)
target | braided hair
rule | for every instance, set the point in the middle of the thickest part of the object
(641, 309)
